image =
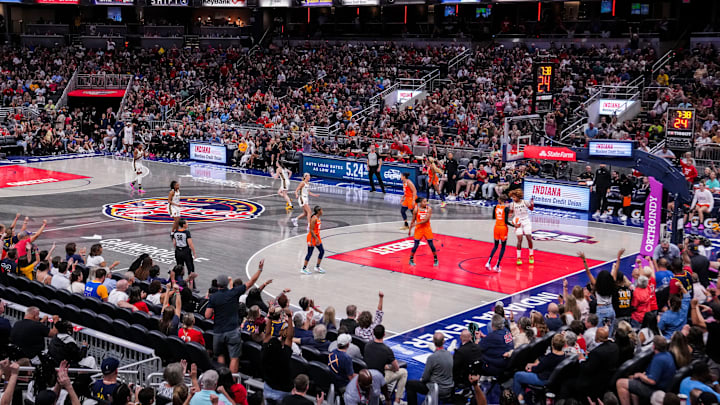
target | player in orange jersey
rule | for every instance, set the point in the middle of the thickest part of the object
(314, 241)
(501, 215)
(409, 196)
(421, 222)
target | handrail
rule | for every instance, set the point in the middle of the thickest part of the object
(458, 59)
(68, 88)
(128, 88)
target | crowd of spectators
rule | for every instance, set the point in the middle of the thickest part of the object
(658, 315)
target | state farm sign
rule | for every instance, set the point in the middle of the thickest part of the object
(549, 153)
(614, 107)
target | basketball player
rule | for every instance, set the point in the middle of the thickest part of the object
(434, 174)
(409, 197)
(184, 250)
(138, 154)
(174, 204)
(521, 212)
(501, 215)
(302, 193)
(128, 138)
(421, 222)
(284, 175)
(314, 241)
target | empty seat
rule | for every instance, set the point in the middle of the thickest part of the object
(78, 300)
(359, 342)
(177, 348)
(331, 335)
(138, 334)
(22, 284)
(108, 309)
(358, 365)
(86, 318)
(158, 342)
(69, 311)
(251, 356)
(298, 365)
(143, 318)
(63, 296)
(42, 303)
(313, 354)
(55, 307)
(120, 328)
(26, 298)
(320, 377)
(540, 346)
(198, 355)
(104, 324)
(36, 287)
(11, 294)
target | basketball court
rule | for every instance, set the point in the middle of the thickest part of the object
(237, 219)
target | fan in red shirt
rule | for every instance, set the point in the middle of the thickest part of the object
(688, 168)
(135, 298)
(187, 333)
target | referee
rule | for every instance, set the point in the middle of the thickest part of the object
(184, 248)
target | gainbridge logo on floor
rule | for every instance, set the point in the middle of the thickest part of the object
(192, 209)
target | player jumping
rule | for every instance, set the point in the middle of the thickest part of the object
(314, 241)
(174, 205)
(501, 215)
(421, 222)
(409, 197)
(284, 175)
(138, 154)
(302, 192)
(434, 174)
(521, 211)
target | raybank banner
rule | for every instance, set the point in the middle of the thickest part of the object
(653, 211)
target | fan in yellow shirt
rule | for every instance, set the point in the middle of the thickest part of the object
(25, 267)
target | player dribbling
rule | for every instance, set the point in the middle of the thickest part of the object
(421, 222)
(521, 220)
(409, 197)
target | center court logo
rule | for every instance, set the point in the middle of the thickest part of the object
(193, 209)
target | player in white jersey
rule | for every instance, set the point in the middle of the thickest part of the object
(302, 192)
(128, 138)
(521, 219)
(139, 170)
(174, 204)
(284, 175)
(702, 204)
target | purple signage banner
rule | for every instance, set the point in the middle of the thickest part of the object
(653, 210)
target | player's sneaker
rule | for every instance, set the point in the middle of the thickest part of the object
(623, 218)
(141, 191)
(688, 225)
(497, 268)
(531, 260)
(435, 262)
(596, 215)
(405, 227)
(319, 269)
(443, 204)
(294, 222)
(412, 261)
(519, 262)
(305, 271)
(604, 215)
(701, 227)
(132, 186)
(488, 265)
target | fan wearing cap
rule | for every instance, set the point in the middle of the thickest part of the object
(340, 363)
(365, 388)
(224, 305)
(103, 389)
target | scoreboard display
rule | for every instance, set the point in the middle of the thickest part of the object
(680, 130)
(543, 87)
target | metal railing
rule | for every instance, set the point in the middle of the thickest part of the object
(459, 59)
(128, 88)
(72, 83)
(103, 81)
(580, 112)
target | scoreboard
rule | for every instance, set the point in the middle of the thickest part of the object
(680, 128)
(543, 87)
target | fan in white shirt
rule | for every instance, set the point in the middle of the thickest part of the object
(702, 204)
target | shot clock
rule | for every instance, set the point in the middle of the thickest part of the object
(543, 87)
(680, 128)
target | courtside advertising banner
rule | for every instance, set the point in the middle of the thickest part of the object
(208, 153)
(355, 171)
(549, 153)
(557, 194)
(653, 208)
